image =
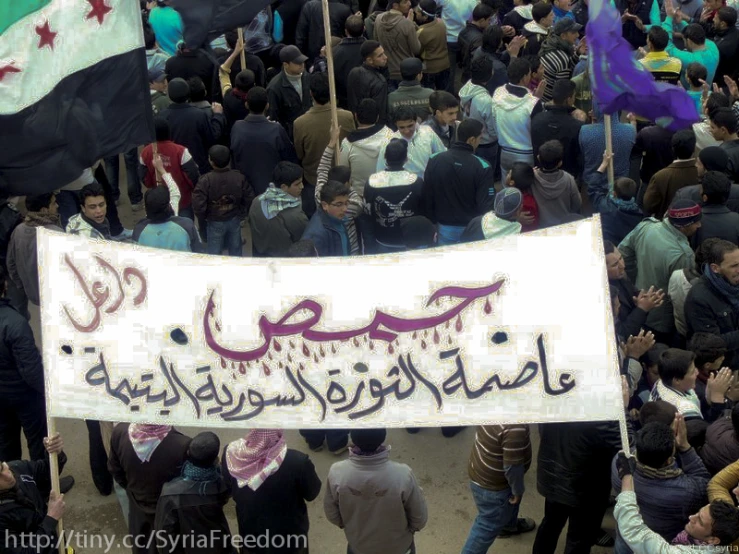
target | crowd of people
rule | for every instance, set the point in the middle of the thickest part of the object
(458, 121)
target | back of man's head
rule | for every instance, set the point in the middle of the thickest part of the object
(683, 144)
(563, 91)
(658, 38)
(655, 445)
(204, 449)
(367, 112)
(657, 411)
(724, 118)
(624, 189)
(540, 10)
(716, 187)
(725, 522)
(257, 100)
(220, 156)
(245, 80)
(368, 440)
(319, 88)
(354, 26)
(492, 37)
(518, 69)
(286, 173)
(695, 33)
(469, 129)
(156, 204)
(481, 69)
(550, 155)
(38, 202)
(197, 89)
(178, 90)
(396, 153)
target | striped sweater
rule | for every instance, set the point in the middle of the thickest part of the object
(496, 448)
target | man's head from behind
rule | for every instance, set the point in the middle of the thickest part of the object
(178, 91)
(657, 39)
(411, 69)
(368, 440)
(418, 232)
(712, 158)
(492, 37)
(550, 155)
(156, 204)
(715, 188)
(204, 449)
(657, 411)
(695, 37)
(716, 523)
(470, 132)
(197, 89)
(655, 445)
(162, 131)
(624, 189)
(683, 144)
(257, 100)
(724, 256)
(396, 154)
(354, 26)
(219, 156)
(42, 203)
(481, 69)
(685, 215)
(563, 93)
(319, 89)
(367, 113)
(508, 203)
(519, 72)
(92, 202)
(288, 176)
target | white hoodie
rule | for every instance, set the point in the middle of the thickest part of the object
(478, 104)
(361, 154)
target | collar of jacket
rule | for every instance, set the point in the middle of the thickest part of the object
(372, 460)
(409, 84)
(352, 40)
(459, 145)
(326, 220)
(285, 82)
(254, 118)
(663, 55)
(376, 70)
(360, 134)
(564, 109)
(674, 230)
(682, 164)
(180, 106)
(715, 209)
(317, 108)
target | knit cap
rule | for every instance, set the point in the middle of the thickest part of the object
(684, 212)
(507, 202)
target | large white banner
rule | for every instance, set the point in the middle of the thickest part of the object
(513, 330)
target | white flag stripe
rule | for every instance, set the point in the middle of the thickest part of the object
(79, 44)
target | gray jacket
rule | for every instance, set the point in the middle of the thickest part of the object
(22, 260)
(377, 502)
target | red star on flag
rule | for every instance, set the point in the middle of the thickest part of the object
(46, 35)
(99, 10)
(8, 68)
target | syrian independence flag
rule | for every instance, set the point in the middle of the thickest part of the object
(73, 89)
(205, 20)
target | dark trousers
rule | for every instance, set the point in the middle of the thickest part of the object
(582, 532)
(140, 526)
(98, 459)
(436, 81)
(336, 439)
(489, 153)
(113, 166)
(453, 48)
(308, 198)
(26, 411)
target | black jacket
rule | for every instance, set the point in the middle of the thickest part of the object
(195, 508)
(717, 221)
(253, 62)
(727, 42)
(23, 508)
(367, 82)
(325, 236)
(556, 122)
(620, 222)
(653, 150)
(192, 63)
(574, 462)
(641, 9)
(192, 128)
(732, 149)
(222, 195)
(580, 11)
(458, 186)
(258, 145)
(285, 104)
(278, 505)
(631, 319)
(693, 192)
(21, 368)
(706, 311)
(469, 39)
(309, 35)
(346, 58)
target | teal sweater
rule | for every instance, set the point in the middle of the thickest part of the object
(708, 57)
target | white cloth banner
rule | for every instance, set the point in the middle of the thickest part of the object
(513, 330)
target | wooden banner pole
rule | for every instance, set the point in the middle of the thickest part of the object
(54, 469)
(609, 148)
(331, 77)
(243, 50)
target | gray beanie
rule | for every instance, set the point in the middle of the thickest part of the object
(507, 202)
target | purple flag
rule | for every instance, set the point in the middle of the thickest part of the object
(620, 82)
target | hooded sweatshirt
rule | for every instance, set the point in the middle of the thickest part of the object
(360, 149)
(556, 196)
(478, 104)
(512, 114)
(397, 35)
(489, 226)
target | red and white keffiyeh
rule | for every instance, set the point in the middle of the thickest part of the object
(145, 438)
(255, 457)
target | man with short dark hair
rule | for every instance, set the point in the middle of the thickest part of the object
(680, 173)
(347, 56)
(557, 122)
(158, 90)
(727, 42)
(709, 306)
(671, 478)
(190, 126)
(188, 63)
(554, 189)
(369, 79)
(722, 442)
(311, 131)
(718, 220)
(458, 185)
(253, 62)
(409, 91)
(326, 228)
(289, 90)
(444, 113)
(361, 148)
(222, 198)
(259, 144)
(697, 47)
(471, 37)
(309, 34)
(478, 104)
(91, 221)
(724, 128)
(659, 63)
(397, 35)
(559, 55)
(536, 31)
(276, 218)
(191, 506)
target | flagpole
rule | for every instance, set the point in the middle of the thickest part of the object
(609, 148)
(330, 61)
(243, 50)
(54, 469)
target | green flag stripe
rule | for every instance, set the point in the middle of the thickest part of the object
(13, 11)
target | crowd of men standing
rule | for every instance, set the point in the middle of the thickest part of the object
(458, 121)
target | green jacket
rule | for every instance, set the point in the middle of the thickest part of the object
(159, 101)
(651, 252)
